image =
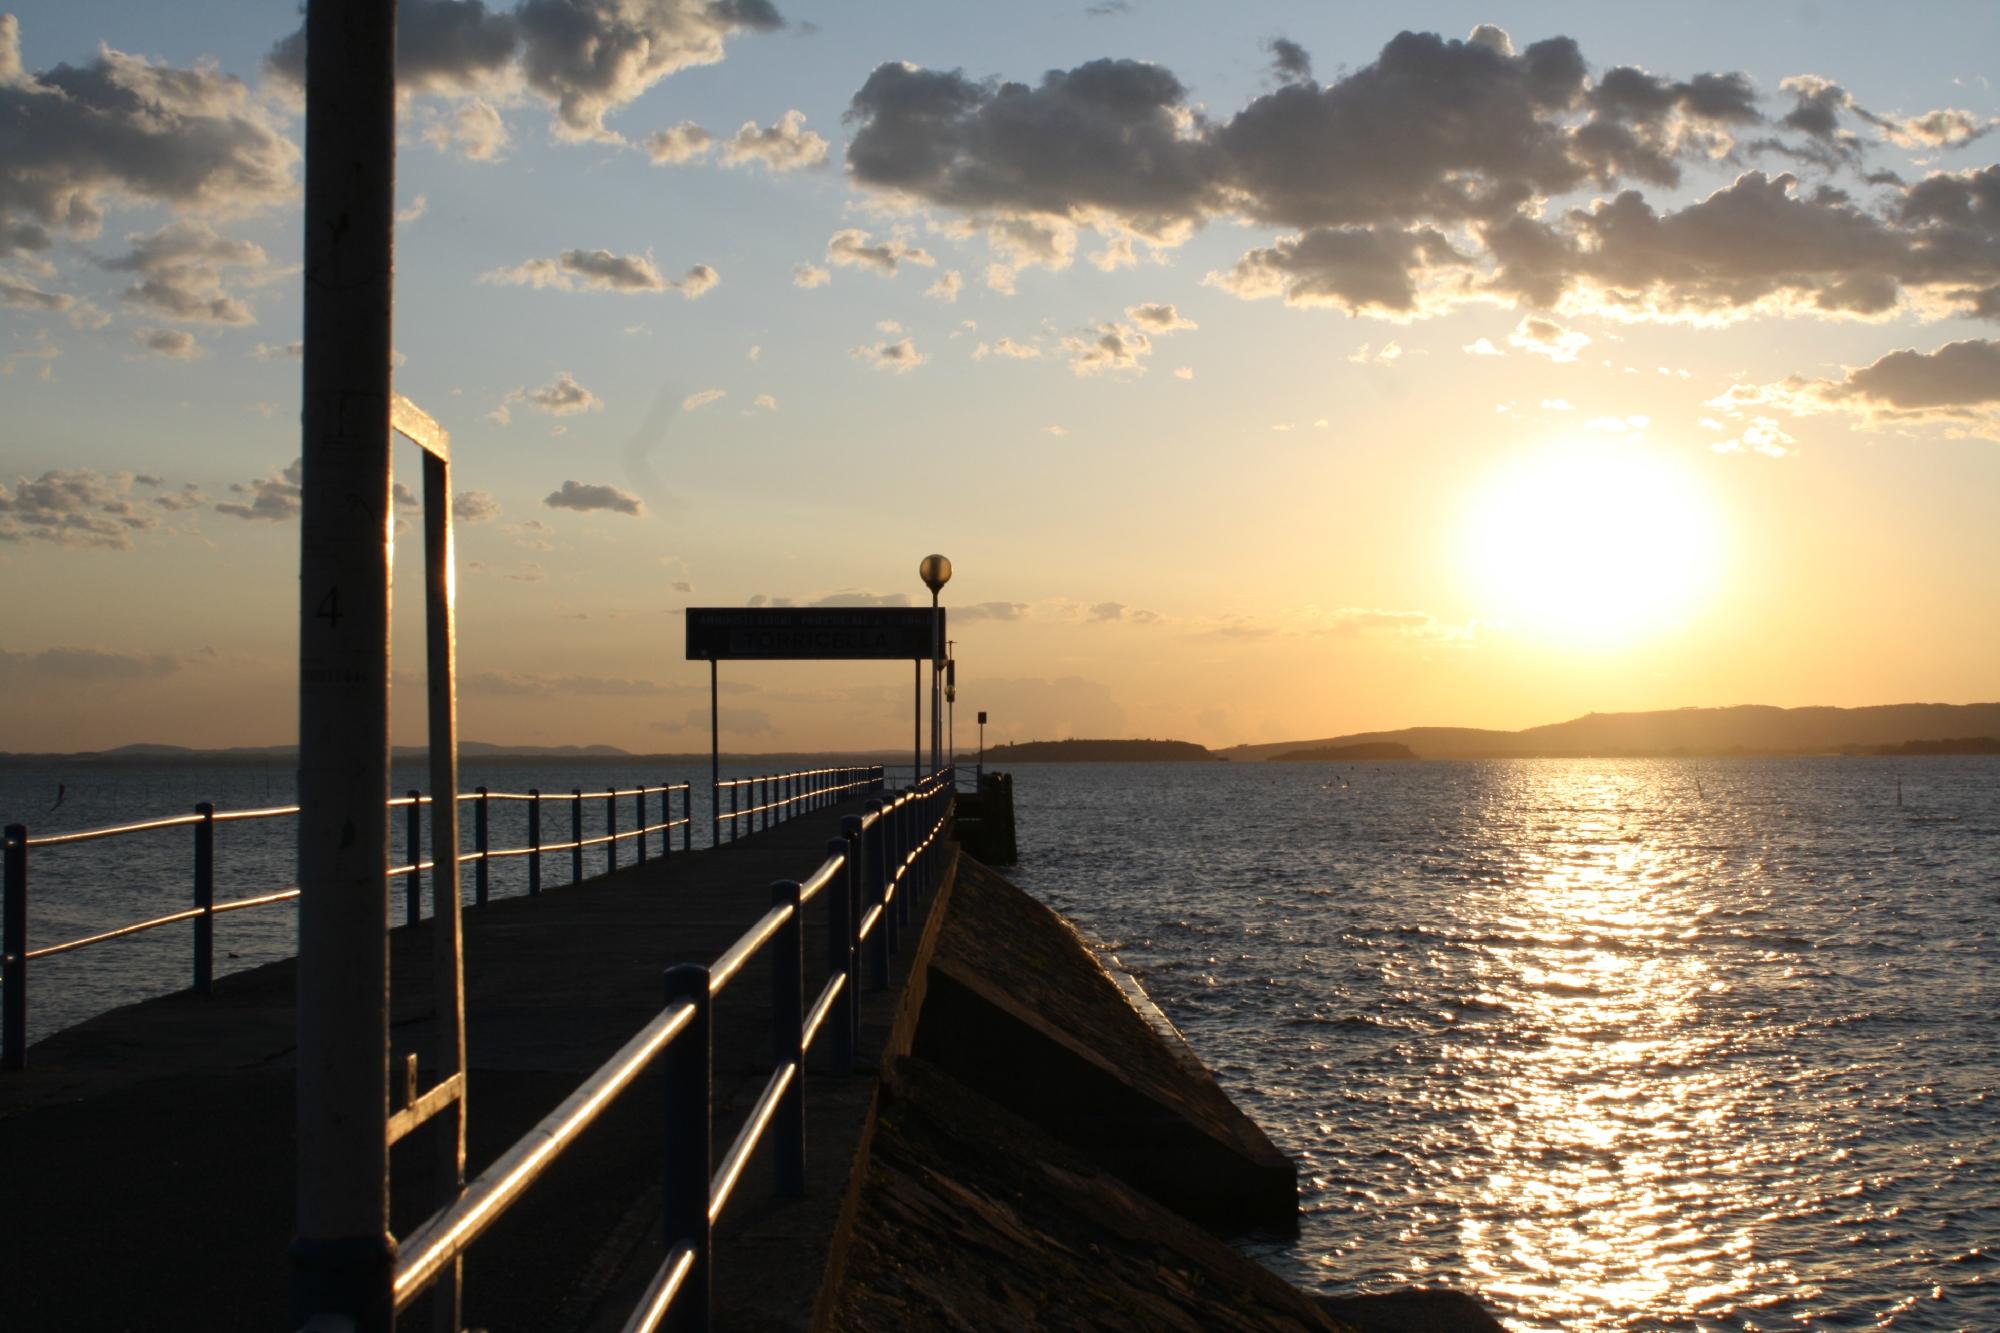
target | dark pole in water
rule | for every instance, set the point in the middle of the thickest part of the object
(343, 1256)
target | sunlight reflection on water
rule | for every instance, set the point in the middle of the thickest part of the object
(1622, 1045)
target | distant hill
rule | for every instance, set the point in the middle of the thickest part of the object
(1747, 729)
(1097, 752)
(1331, 753)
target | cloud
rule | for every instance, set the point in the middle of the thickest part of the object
(74, 507)
(810, 276)
(989, 611)
(82, 666)
(1545, 337)
(1008, 348)
(1289, 60)
(1108, 347)
(602, 271)
(766, 401)
(1373, 270)
(859, 597)
(1159, 318)
(678, 143)
(291, 351)
(587, 58)
(474, 507)
(1762, 436)
(1420, 181)
(899, 356)
(587, 498)
(850, 249)
(21, 296)
(179, 273)
(1184, 372)
(561, 397)
(271, 499)
(564, 397)
(1957, 386)
(1367, 354)
(696, 401)
(121, 127)
(175, 344)
(946, 288)
(786, 145)
(1481, 347)
(473, 129)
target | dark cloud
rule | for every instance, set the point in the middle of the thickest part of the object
(74, 507)
(1158, 318)
(179, 273)
(23, 297)
(120, 126)
(1380, 171)
(591, 57)
(1289, 60)
(174, 344)
(1109, 135)
(1957, 386)
(586, 57)
(607, 271)
(474, 507)
(270, 499)
(1374, 269)
(587, 498)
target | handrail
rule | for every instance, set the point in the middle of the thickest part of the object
(801, 789)
(909, 832)
(425, 1252)
(886, 855)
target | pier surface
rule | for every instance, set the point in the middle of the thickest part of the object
(147, 1154)
(1023, 1144)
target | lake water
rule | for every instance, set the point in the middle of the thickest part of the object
(1620, 1044)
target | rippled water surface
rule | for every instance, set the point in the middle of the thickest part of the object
(1621, 1044)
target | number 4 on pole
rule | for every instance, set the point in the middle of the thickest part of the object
(329, 608)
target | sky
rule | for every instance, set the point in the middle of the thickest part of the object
(1267, 371)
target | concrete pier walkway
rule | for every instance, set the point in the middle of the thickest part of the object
(146, 1159)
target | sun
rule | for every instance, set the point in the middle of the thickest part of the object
(1592, 544)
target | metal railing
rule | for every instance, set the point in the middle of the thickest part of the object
(772, 798)
(886, 862)
(780, 797)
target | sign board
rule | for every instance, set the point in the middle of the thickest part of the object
(806, 634)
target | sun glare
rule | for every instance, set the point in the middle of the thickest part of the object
(1592, 544)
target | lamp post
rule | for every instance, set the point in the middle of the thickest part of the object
(979, 777)
(935, 571)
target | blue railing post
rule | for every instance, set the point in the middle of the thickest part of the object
(788, 1017)
(534, 841)
(14, 946)
(735, 799)
(413, 842)
(204, 899)
(690, 1148)
(840, 943)
(639, 820)
(481, 843)
(687, 825)
(575, 834)
(611, 830)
